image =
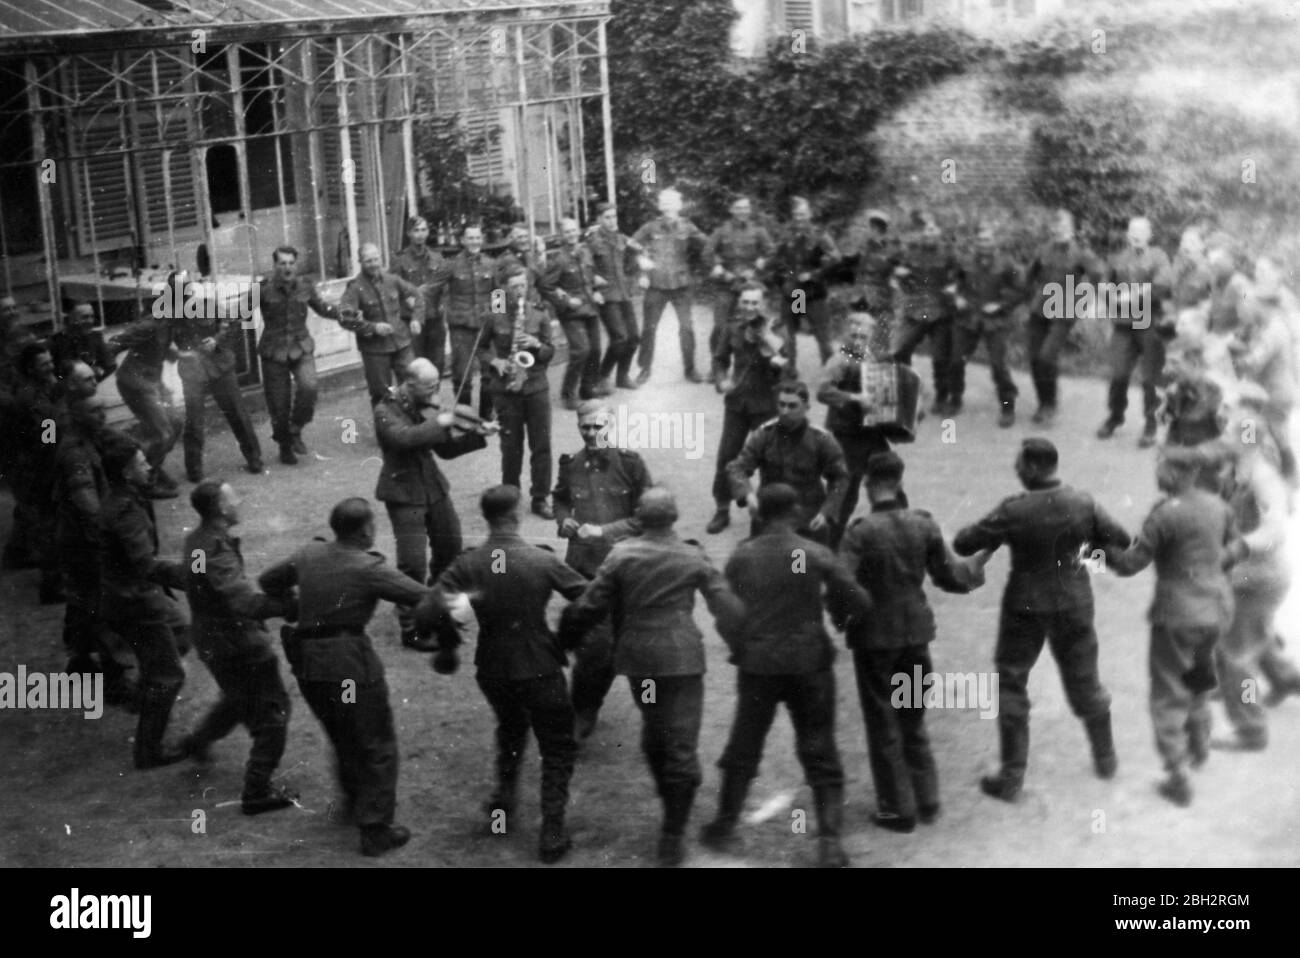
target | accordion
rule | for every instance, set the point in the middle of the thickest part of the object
(890, 397)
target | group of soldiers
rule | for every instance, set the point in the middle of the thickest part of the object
(83, 499)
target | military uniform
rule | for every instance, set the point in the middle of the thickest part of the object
(782, 653)
(750, 401)
(37, 417)
(615, 268)
(139, 383)
(528, 409)
(599, 487)
(415, 491)
(466, 290)
(528, 258)
(1190, 537)
(520, 665)
(801, 457)
(425, 267)
(136, 602)
(1190, 282)
(389, 299)
(1137, 342)
(890, 552)
(1048, 596)
(841, 385)
(339, 586)
(203, 372)
(88, 347)
(668, 244)
(924, 307)
(879, 257)
(990, 284)
(647, 585)
(226, 613)
(1258, 498)
(737, 246)
(1226, 296)
(806, 250)
(288, 354)
(1051, 269)
(570, 273)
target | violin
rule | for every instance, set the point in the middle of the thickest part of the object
(463, 421)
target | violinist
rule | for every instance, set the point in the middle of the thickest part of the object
(411, 428)
(751, 361)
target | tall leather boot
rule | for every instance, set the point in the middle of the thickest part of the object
(1006, 785)
(677, 801)
(155, 709)
(830, 820)
(1104, 759)
(720, 833)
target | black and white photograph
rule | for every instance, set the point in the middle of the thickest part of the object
(574, 434)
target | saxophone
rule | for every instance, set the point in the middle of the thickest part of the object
(520, 359)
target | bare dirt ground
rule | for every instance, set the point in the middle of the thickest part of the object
(71, 797)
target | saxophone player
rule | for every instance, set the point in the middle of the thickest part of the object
(521, 350)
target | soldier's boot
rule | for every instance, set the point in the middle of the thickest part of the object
(1006, 785)
(268, 798)
(554, 841)
(1007, 415)
(1177, 788)
(1104, 760)
(677, 801)
(1198, 743)
(194, 465)
(506, 793)
(1283, 677)
(830, 821)
(1148, 438)
(288, 455)
(721, 519)
(155, 709)
(296, 442)
(720, 834)
(377, 839)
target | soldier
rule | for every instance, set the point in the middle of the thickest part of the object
(1191, 536)
(736, 254)
(783, 654)
(1142, 276)
(158, 424)
(521, 396)
(520, 667)
(288, 352)
(925, 278)
(802, 260)
(207, 366)
(1063, 262)
(1257, 495)
(842, 390)
(569, 285)
(759, 361)
(376, 306)
(1228, 286)
(792, 450)
(614, 259)
(80, 486)
(1048, 596)
(1264, 351)
(410, 429)
(595, 503)
(521, 250)
(667, 241)
(77, 380)
(877, 261)
(648, 583)
(34, 435)
(1190, 279)
(80, 340)
(466, 289)
(135, 597)
(424, 267)
(889, 552)
(234, 645)
(989, 286)
(341, 678)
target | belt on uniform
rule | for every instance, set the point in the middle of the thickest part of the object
(327, 631)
